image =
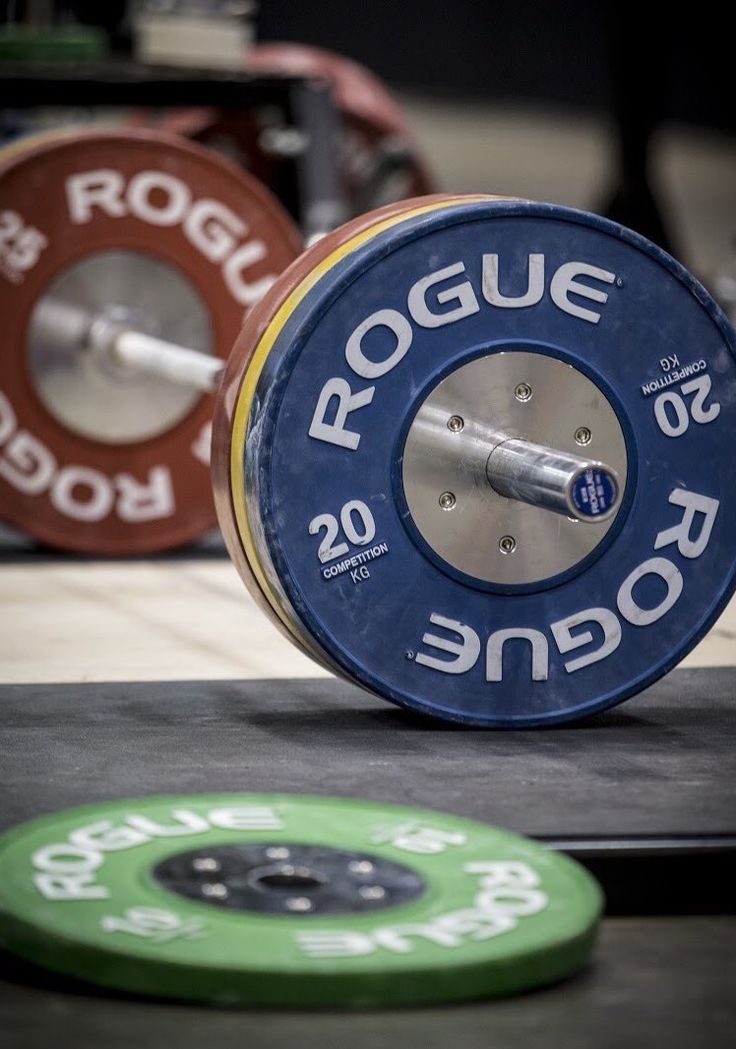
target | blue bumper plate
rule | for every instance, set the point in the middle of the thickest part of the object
(348, 371)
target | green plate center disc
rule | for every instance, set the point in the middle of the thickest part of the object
(279, 900)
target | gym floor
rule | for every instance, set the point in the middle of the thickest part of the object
(131, 677)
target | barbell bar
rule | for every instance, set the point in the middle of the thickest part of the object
(402, 409)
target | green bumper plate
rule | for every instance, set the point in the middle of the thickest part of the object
(280, 900)
(65, 44)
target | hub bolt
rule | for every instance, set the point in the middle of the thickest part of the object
(523, 392)
(215, 890)
(507, 544)
(299, 904)
(447, 500)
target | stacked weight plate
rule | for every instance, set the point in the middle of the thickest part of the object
(353, 475)
(238, 387)
(379, 158)
(140, 229)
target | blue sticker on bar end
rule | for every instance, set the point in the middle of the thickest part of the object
(594, 492)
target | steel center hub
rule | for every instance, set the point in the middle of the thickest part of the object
(289, 879)
(83, 389)
(509, 396)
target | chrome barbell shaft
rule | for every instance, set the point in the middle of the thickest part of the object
(578, 487)
(69, 328)
(167, 360)
(568, 484)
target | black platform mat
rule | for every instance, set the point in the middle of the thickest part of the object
(644, 795)
(654, 982)
(655, 776)
(664, 763)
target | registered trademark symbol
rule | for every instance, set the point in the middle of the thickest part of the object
(409, 654)
(619, 282)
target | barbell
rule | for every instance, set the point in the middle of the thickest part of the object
(469, 452)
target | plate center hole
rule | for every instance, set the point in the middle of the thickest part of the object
(288, 878)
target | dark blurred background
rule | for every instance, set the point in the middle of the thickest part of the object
(570, 52)
(622, 108)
